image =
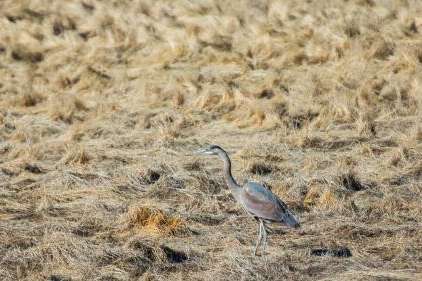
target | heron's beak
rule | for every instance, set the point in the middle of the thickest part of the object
(203, 151)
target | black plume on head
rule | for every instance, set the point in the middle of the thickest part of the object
(215, 147)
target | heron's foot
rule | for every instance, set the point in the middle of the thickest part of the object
(258, 254)
(262, 252)
(264, 247)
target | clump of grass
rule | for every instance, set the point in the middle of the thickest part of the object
(324, 197)
(148, 220)
(331, 199)
(305, 139)
(29, 99)
(21, 53)
(149, 176)
(381, 49)
(67, 108)
(400, 154)
(260, 169)
(418, 132)
(208, 184)
(178, 100)
(365, 125)
(312, 196)
(193, 166)
(76, 155)
(351, 182)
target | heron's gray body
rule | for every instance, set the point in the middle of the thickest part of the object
(255, 198)
(260, 202)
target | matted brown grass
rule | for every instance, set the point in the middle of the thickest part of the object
(103, 102)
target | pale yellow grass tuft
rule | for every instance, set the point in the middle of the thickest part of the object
(312, 196)
(141, 219)
(76, 154)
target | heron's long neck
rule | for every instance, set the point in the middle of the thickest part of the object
(231, 182)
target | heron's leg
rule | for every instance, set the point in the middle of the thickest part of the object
(258, 240)
(268, 228)
(264, 236)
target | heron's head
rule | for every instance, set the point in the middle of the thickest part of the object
(210, 150)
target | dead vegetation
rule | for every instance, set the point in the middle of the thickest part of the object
(103, 102)
(144, 220)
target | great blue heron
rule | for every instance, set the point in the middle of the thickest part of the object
(256, 199)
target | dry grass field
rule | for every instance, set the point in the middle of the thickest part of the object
(103, 102)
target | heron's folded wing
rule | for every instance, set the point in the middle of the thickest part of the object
(262, 203)
(258, 191)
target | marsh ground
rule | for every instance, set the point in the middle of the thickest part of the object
(103, 102)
